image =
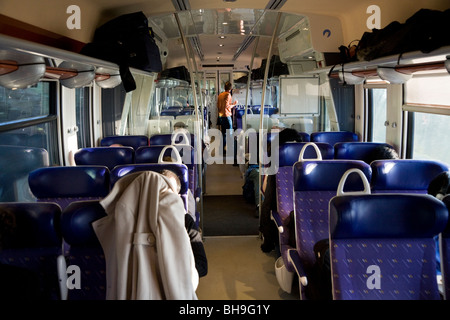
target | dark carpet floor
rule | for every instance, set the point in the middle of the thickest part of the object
(229, 216)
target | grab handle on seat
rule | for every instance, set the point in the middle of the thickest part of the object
(340, 189)
(177, 155)
(185, 138)
(302, 152)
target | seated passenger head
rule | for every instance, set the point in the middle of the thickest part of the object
(173, 178)
(290, 135)
(383, 153)
(439, 187)
(179, 125)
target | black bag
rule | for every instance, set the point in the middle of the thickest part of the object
(180, 73)
(319, 280)
(425, 31)
(128, 41)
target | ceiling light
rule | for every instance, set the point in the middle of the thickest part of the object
(23, 70)
(85, 74)
(392, 75)
(222, 37)
(350, 78)
(221, 45)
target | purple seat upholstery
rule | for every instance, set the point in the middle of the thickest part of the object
(34, 245)
(382, 246)
(64, 185)
(85, 250)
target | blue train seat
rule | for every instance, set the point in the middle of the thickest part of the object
(152, 154)
(16, 163)
(382, 246)
(444, 246)
(171, 138)
(134, 141)
(104, 156)
(315, 183)
(333, 137)
(404, 175)
(180, 169)
(365, 151)
(31, 250)
(64, 185)
(85, 251)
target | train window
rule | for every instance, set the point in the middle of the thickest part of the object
(427, 99)
(376, 105)
(430, 140)
(82, 104)
(28, 118)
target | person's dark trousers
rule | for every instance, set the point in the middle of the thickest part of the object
(225, 124)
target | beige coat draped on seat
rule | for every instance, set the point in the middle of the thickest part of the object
(146, 245)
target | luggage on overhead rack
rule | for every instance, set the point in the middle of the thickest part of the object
(424, 31)
(128, 41)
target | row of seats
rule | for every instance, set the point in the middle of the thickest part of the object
(306, 187)
(66, 184)
(36, 249)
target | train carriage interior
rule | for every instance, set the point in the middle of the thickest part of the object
(330, 182)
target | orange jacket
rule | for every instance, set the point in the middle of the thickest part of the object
(224, 104)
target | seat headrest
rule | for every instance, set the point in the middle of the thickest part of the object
(105, 156)
(166, 139)
(333, 137)
(325, 175)
(151, 154)
(386, 216)
(446, 201)
(36, 224)
(289, 152)
(397, 174)
(76, 222)
(180, 169)
(365, 151)
(134, 141)
(70, 181)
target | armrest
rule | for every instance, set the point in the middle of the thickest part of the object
(277, 219)
(61, 268)
(294, 258)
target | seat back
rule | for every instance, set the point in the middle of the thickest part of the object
(85, 250)
(333, 137)
(64, 185)
(444, 249)
(315, 183)
(33, 244)
(104, 156)
(365, 151)
(16, 163)
(152, 154)
(171, 138)
(401, 175)
(134, 141)
(180, 169)
(289, 154)
(382, 246)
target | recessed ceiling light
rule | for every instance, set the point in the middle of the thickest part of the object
(220, 44)
(222, 37)
(224, 23)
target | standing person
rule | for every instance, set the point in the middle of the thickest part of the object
(224, 108)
